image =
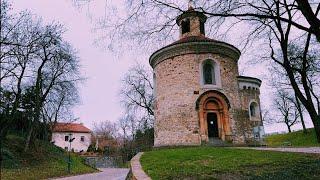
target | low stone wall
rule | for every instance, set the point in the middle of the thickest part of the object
(136, 171)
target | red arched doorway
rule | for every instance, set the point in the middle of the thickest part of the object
(213, 108)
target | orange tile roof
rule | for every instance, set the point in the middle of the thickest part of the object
(70, 127)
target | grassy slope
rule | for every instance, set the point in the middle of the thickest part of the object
(227, 163)
(297, 139)
(42, 162)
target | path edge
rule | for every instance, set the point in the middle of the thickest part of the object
(136, 172)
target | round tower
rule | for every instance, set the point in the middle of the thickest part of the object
(196, 87)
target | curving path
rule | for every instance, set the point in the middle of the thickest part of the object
(106, 174)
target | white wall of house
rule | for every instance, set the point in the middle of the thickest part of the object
(77, 144)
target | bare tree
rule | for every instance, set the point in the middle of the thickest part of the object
(137, 95)
(39, 73)
(280, 80)
(301, 66)
(128, 126)
(18, 47)
(266, 116)
(288, 111)
(136, 122)
(55, 65)
(106, 129)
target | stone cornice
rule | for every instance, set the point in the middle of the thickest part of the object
(198, 47)
(249, 80)
(187, 14)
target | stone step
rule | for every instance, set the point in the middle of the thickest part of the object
(218, 142)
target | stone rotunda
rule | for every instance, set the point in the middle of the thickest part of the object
(199, 95)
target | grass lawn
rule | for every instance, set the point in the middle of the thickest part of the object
(297, 139)
(43, 162)
(227, 163)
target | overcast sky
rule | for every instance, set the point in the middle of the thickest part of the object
(103, 69)
(99, 93)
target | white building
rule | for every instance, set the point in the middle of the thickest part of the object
(62, 133)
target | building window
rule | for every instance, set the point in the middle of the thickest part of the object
(209, 73)
(82, 138)
(154, 84)
(185, 24)
(254, 110)
(66, 138)
(202, 31)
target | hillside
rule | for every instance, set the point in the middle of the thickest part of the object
(296, 139)
(44, 161)
(228, 163)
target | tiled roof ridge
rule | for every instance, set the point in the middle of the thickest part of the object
(70, 127)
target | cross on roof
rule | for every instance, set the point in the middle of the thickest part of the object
(191, 4)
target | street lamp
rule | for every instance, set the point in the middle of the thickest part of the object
(69, 161)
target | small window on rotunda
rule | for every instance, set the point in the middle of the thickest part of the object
(154, 84)
(208, 73)
(185, 24)
(254, 110)
(202, 31)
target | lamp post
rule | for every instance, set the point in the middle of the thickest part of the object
(69, 158)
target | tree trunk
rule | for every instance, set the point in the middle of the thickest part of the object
(28, 140)
(289, 128)
(316, 123)
(310, 16)
(301, 115)
(307, 102)
(37, 107)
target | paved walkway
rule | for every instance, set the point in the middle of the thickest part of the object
(106, 174)
(313, 150)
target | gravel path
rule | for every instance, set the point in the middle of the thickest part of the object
(314, 150)
(106, 174)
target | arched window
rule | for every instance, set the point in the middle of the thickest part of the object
(209, 73)
(154, 84)
(254, 110)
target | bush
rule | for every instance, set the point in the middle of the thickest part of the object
(9, 161)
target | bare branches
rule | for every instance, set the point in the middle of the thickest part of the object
(311, 17)
(40, 73)
(287, 108)
(106, 129)
(136, 122)
(137, 90)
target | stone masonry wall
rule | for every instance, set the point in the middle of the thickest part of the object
(177, 84)
(244, 126)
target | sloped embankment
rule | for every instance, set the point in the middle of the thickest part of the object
(42, 161)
